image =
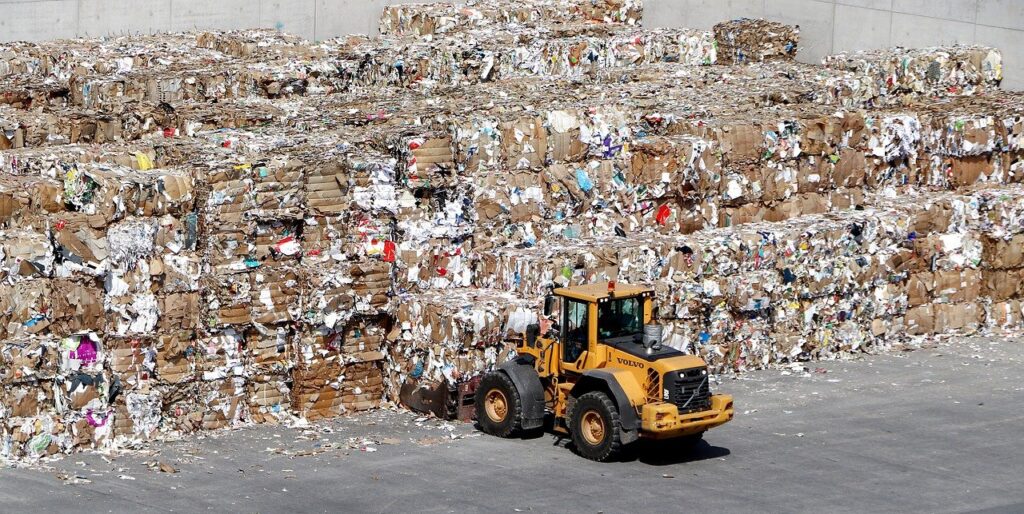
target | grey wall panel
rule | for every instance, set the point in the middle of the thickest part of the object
(293, 16)
(34, 20)
(861, 28)
(911, 30)
(216, 14)
(108, 17)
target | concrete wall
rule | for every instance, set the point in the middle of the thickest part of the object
(832, 26)
(827, 26)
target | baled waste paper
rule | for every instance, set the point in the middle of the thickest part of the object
(205, 230)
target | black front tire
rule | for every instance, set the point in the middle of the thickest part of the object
(596, 443)
(493, 419)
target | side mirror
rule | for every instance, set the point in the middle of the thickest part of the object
(549, 305)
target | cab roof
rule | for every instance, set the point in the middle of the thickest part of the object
(599, 290)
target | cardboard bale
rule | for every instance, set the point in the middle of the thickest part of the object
(27, 196)
(269, 397)
(467, 325)
(442, 18)
(745, 40)
(958, 318)
(27, 254)
(316, 389)
(1005, 315)
(29, 359)
(955, 70)
(339, 290)
(176, 358)
(24, 308)
(276, 296)
(224, 402)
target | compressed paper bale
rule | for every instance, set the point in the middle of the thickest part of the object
(176, 359)
(944, 71)
(34, 437)
(322, 236)
(326, 187)
(275, 189)
(75, 307)
(442, 18)
(29, 399)
(276, 296)
(359, 338)
(60, 60)
(144, 413)
(227, 196)
(27, 196)
(340, 289)
(271, 350)
(232, 248)
(58, 307)
(680, 163)
(434, 264)
(821, 277)
(328, 388)
(363, 388)
(269, 397)
(115, 192)
(133, 361)
(29, 359)
(747, 40)
(224, 402)
(26, 254)
(229, 298)
(24, 306)
(364, 339)
(1005, 315)
(505, 56)
(220, 356)
(457, 336)
(1000, 285)
(123, 427)
(81, 394)
(277, 243)
(31, 92)
(1003, 253)
(81, 352)
(262, 43)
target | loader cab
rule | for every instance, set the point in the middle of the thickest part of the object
(594, 314)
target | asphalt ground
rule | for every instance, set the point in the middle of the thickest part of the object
(939, 429)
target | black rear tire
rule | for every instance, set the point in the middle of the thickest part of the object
(499, 410)
(595, 427)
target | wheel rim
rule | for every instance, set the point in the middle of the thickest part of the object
(496, 405)
(592, 427)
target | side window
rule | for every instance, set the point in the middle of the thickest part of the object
(575, 329)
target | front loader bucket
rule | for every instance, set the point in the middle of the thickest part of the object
(440, 398)
(427, 397)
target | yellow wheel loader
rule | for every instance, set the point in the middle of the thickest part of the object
(601, 371)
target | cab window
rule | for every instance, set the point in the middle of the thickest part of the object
(576, 323)
(620, 318)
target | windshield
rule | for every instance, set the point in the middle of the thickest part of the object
(620, 318)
